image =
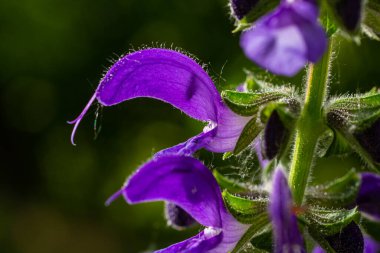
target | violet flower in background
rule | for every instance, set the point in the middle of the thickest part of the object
(368, 199)
(286, 39)
(287, 237)
(174, 78)
(189, 184)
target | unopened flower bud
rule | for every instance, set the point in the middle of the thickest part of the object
(274, 135)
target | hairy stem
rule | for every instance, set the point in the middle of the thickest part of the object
(310, 125)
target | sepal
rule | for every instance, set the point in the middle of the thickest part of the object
(338, 193)
(329, 221)
(251, 130)
(249, 103)
(245, 210)
(228, 183)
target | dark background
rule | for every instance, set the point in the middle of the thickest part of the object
(52, 55)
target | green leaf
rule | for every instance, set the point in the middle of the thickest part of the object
(243, 209)
(340, 192)
(228, 183)
(259, 224)
(248, 103)
(371, 23)
(249, 133)
(329, 222)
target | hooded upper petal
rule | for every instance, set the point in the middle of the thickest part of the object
(174, 78)
(186, 182)
(287, 38)
(285, 229)
(368, 198)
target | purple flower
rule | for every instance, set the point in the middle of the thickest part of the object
(286, 39)
(187, 183)
(286, 233)
(368, 199)
(174, 78)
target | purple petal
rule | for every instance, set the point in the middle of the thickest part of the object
(231, 234)
(190, 146)
(284, 40)
(285, 228)
(368, 198)
(183, 181)
(174, 78)
(212, 239)
(165, 75)
(371, 246)
(229, 128)
(318, 249)
(202, 242)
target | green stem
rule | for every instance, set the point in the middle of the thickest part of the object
(310, 125)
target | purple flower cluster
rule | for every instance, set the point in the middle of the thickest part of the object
(286, 39)
(182, 181)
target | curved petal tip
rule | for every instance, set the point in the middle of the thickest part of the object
(114, 197)
(77, 121)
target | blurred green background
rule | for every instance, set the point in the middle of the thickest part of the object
(52, 55)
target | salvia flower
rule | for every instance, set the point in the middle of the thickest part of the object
(174, 78)
(187, 183)
(286, 39)
(285, 228)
